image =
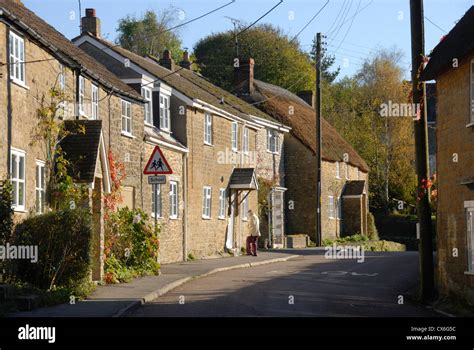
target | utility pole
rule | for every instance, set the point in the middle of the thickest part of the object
(318, 140)
(421, 146)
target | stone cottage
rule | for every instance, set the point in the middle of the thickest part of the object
(451, 64)
(344, 180)
(37, 59)
(218, 132)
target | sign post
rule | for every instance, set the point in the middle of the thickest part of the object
(157, 167)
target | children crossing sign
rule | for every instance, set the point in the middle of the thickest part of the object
(157, 164)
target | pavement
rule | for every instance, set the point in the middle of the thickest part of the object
(116, 300)
(308, 285)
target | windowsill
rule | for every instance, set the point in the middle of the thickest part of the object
(338, 177)
(158, 218)
(208, 144)
(19, 210)
(332, 218)
(167, 131)
(245, 153)
(245, 219)
(235, 150)
(271, 152)
(221, 217)
(149, 125)
(127, 134)
(173, 218)
(470, 125)
(206, 217)
(469, 273)
(19, 83)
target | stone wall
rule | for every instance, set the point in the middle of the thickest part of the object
(454, 139)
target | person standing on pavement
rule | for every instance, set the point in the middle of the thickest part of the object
(254, 232)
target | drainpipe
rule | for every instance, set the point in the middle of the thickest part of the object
(9, 103)
(185, 209)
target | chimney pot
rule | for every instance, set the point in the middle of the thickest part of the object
(90, 13)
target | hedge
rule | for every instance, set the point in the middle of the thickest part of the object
(64, 248)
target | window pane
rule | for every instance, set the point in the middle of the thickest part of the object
(14, 166)
(21, 193)
(21, 167)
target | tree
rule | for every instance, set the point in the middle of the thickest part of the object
(148, 34)
(353, 106)
(326, 63)
(278, 59)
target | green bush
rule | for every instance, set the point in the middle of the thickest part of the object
(371, 228)
(63, 239)
(131, 246)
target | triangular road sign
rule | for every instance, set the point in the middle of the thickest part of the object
(157, 164)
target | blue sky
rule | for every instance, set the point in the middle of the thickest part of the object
(382, 24)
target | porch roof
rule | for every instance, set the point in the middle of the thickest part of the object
(243, 179)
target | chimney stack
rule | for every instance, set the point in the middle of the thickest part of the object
(166, 61)
(307, 96)
(244, 77)
(90, 23)
(185, 63)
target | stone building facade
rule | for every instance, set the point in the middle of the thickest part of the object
(455, 159)
(41, 60)
(212, 131)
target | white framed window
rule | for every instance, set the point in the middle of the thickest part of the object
(147, 95)
(222, 201)
(17, 168)
(470, 238)
(245, 143)
(158, 202)
(235, 136)
(472, 91)
(95, 102)
(174, 200)
(245, 207)
(331, 209)
(338, 170)
(81, 94)
(206, 202)
(17, 58)
(208, 129)
(126, 117)
(40, 187)
(346, 170)
(164, 112)
(273, 141)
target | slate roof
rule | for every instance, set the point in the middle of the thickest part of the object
(276, 102)
(243, 178)
(458, 43)
(81, 149)
(191, 84)
(46, 34)
(354, 188)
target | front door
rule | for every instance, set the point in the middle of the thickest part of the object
(277, 221)
(229, 244)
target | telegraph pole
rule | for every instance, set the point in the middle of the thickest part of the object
(318, 140)
(421, 147)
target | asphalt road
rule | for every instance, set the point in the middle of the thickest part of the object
(309, 285)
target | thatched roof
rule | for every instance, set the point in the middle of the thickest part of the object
(458, 43)
(277, 102)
